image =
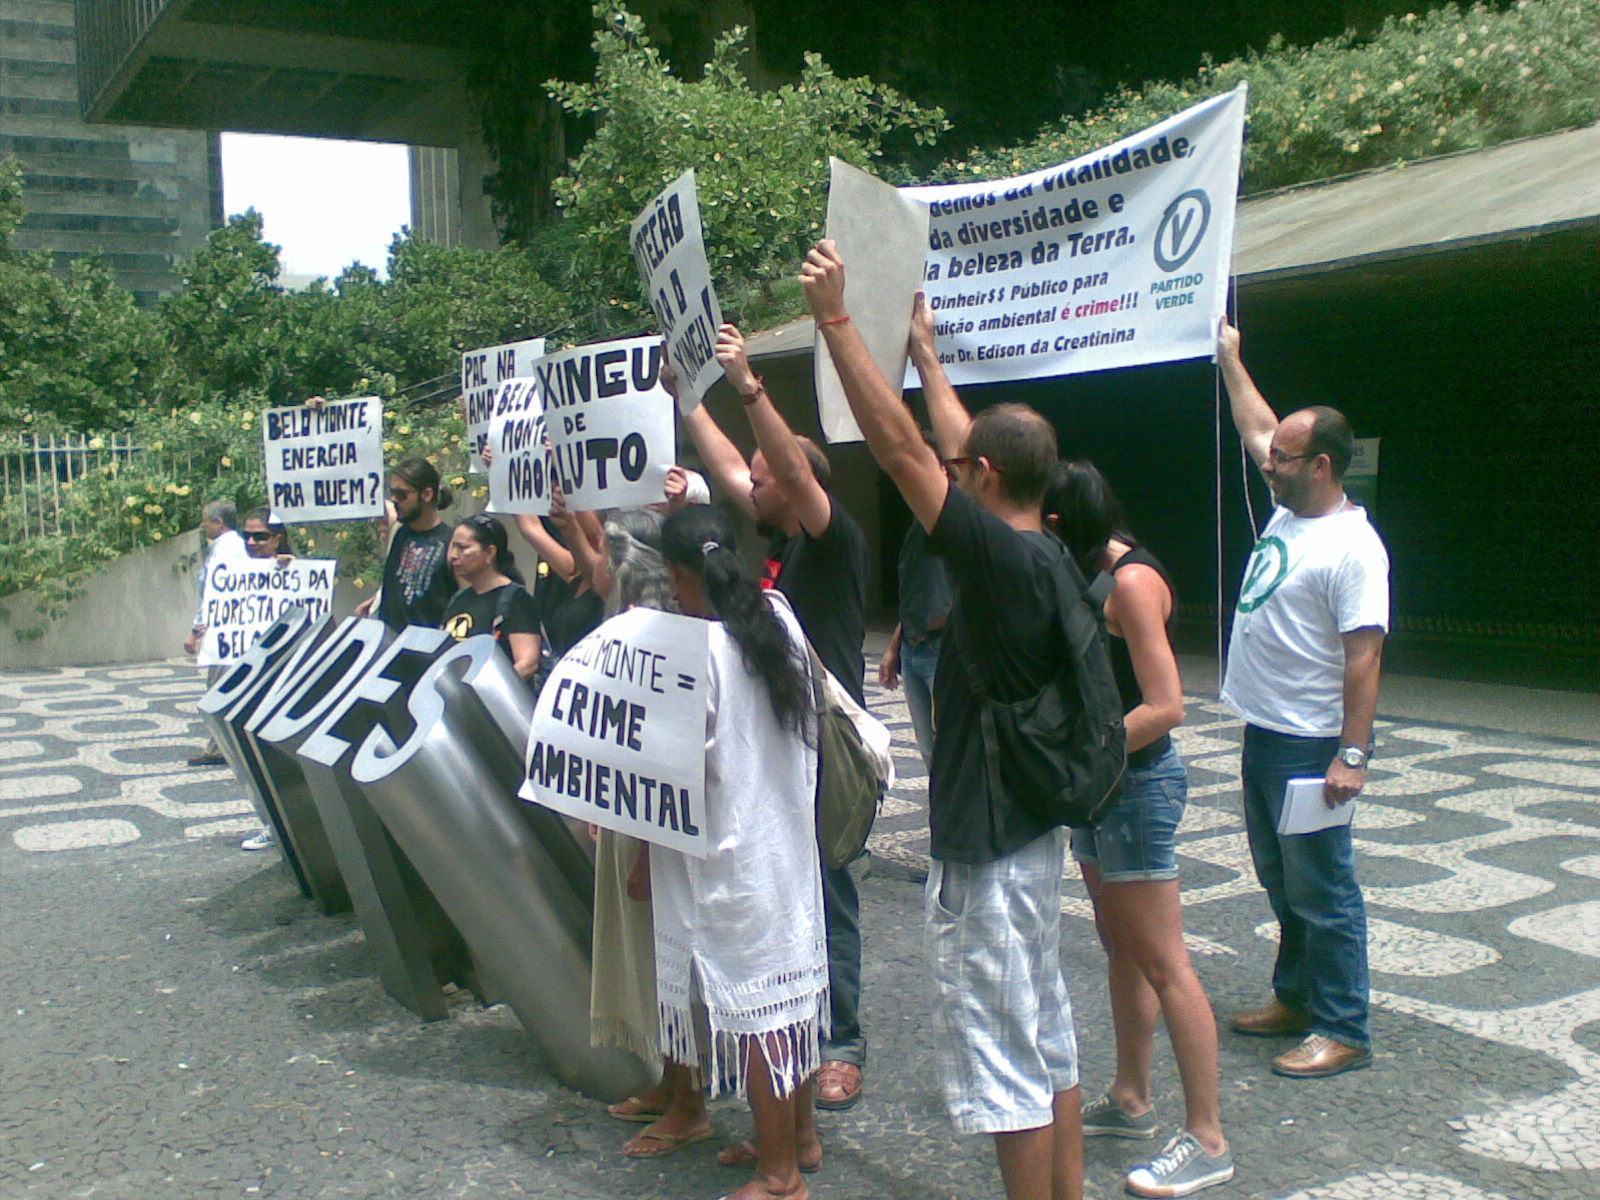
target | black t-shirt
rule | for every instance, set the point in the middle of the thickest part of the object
(417, 581)
(825, 580)
(925, 591)
(470, 613)
(1006, 615)
(564, 616)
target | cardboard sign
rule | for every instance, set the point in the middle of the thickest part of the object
(482, 371)
(619, 730)
(881, 234)
(325, 464)
(520, 468)
(1115, 259)
(669, 247)
(610, 421)
(243, 596)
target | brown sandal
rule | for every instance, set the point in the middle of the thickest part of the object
(633, 1109)
(666, 1143)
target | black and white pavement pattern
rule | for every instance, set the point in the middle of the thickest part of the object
(178, 1022)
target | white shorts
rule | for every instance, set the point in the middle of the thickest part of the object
(1002, 1018)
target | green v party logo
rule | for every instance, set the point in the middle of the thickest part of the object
(1269, 563)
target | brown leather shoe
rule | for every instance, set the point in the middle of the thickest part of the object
(1274, 1019)
(1318, 1057)
(838, 1086)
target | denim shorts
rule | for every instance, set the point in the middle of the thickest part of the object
(1137, 840)
(1003, 1040)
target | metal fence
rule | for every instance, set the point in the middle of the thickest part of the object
(36, 472)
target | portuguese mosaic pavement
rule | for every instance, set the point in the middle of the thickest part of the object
(1479, 851)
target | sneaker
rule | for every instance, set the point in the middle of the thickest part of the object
(1181, 1169)
(258, 841)
(1106, 1118)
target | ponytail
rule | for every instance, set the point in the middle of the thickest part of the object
(700, 539)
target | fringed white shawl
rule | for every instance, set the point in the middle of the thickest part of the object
(742, 930)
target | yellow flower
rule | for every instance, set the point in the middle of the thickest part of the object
(360, 583)
(404, 430)
(1396, 88)
(226, 461)
(194, 417)
(183, 490)
(129, 501)
(136, 519)
(458, 481)
(171, 489)
(247, 418)
(153, 510)
(155, 535)
(97, 443)
(158, 445)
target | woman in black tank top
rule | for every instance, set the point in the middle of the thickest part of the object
(1129, 861)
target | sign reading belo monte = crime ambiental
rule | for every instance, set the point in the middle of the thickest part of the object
(1115, 259)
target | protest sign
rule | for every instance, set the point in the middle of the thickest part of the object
(669, 247)
(519, 466)
(1117, 258)
(619, 730)
(882, 235)
(482, 371)
(241, 597)
(610, 422)
(325, 464)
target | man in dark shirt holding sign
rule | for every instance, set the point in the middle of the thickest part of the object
(818, 559)
(1003, 1033)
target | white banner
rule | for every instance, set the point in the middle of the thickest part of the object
(669, 247)
(482, 371)
(242, 596)
(1117, 258)
(881, 234)
(325, 464)
(619, 730)
(520, 467)
(610, 421)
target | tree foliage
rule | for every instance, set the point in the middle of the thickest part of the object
(760, 159)
(1444, 81)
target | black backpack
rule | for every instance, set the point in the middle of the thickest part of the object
(1059, 755)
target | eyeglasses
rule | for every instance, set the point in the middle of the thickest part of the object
(1279, 458)
(400, 493)
(951, 464)
(259, 535)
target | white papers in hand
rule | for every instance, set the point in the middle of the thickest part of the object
(1305, 811)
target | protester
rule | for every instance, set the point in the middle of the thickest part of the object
(265, 536)
(741, 931)
(913, 651)
(1129, 862)
(218, 522)
(417, 583)
(1303, 670)
(818, 560)
(490, 600)
(1002, 1036)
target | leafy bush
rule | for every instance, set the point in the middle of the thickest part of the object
(1422, 85)
(760, 157)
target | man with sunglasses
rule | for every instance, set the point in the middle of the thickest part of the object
(1303, 668)
(417, 583)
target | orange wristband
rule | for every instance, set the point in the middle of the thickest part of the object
(833, 321)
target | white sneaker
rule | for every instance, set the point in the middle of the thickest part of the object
(258, 841)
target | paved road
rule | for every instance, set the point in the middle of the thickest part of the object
(178, 1022)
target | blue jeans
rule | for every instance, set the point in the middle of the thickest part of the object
(918, 661)
(1311, 881)
(841, 908)
(1137, 841)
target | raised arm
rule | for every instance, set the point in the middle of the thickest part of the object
(1252, 415)
(785, 456)
(723, 462)
(545, 545)
(890, 429)
(949, 416)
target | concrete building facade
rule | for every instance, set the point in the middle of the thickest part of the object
(143, 198)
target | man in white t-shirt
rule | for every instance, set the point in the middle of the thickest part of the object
(219, 522)
(1303, 667)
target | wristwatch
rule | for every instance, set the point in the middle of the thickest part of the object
(1353, 757)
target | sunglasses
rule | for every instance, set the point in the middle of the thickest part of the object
(259, 535)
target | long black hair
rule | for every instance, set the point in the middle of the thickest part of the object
(700, 539)
(491, 535)
(1087, 513)
(422, 475)
(274, 524)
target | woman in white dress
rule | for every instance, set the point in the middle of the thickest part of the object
(741, 949)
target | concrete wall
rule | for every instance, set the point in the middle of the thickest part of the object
(138, 608)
